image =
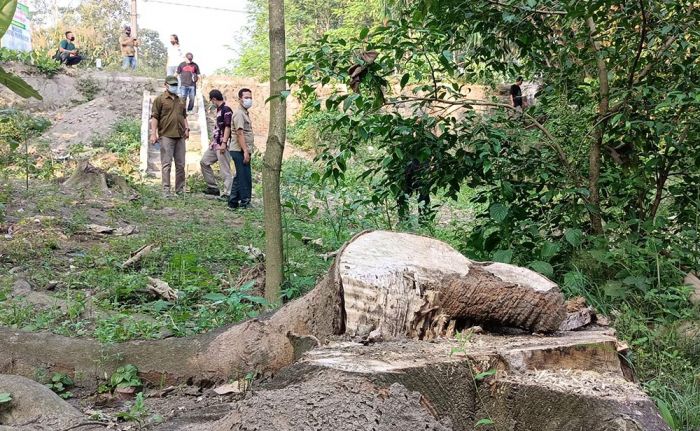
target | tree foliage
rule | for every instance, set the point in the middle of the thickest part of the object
(97, 25)
(7, 79)
(596, 185)
(307, 21)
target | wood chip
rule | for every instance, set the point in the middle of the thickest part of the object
(230, 388)
(162, 289)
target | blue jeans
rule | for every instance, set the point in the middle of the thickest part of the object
(188, 91)
(242, 187)
(129, 63)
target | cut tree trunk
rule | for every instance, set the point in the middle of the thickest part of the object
(90, 179)
(397, 285)
(567, 382)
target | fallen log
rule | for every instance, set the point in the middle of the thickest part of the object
(391, 284)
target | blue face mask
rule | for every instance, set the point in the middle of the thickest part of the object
(172, 89)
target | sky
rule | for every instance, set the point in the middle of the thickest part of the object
(204, 32)
(204, 28)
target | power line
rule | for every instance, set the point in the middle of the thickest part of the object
(172, 3)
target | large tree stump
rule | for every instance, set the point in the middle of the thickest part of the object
(571, 381)
(87, 178)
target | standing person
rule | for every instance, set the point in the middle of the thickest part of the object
(67, 51)
(128, 45)
(174, 55)
(218, 149)
(188, 72)
(169, 126)
(516, 94)
(241, 148)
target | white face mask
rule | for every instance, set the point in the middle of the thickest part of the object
(172, 89)
(247, 103)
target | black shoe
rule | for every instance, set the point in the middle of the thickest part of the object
(210, 191)
(233, 205)
(222, 198)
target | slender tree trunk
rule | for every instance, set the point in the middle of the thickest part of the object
(274, 250)
(595, 153)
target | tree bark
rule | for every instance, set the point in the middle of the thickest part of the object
(274, 249)
(595, 154)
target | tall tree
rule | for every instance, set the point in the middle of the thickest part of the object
(274, 249)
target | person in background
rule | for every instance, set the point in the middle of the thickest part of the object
(241, 148)
(188, 72)
(169, 126)
(516, 94)
(128, 45)
(218, 149)
(174, 56)
(67, 51)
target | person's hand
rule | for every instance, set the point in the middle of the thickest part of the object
(246, 157)
(154, 138)
(187, 133)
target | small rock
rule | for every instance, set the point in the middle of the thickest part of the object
(52, 285)
(693, 281)
(230, 388)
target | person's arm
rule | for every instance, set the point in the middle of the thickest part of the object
(512, 96)
(63, 47)
(155, 117)
(225, 139)
(187, 124)
(244, 146)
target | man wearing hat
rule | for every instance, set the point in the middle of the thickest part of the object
(169, 126)
(128, 45)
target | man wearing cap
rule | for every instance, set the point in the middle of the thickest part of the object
(128, 45)
(169, 126)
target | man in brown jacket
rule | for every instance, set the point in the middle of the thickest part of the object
(169, 126)
(128, 45)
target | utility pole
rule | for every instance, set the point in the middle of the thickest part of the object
(134, 24)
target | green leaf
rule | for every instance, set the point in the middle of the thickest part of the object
(18, 85)
(503, 256)
(498, 212)
(485, 374)
(364, 32)
(7, 12)
(481, 422)
(549, 250)
(615, 289)
(5, 397)
(404, 79)
(574, 237)
(666, 413)
(216, 297)
(543, 268)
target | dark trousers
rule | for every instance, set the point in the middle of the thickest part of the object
(242, 187)
(71, 61)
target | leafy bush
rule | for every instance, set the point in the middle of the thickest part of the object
(60, 383)
(43, 62)
(125, 377)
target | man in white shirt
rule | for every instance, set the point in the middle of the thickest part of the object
(175, 56)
